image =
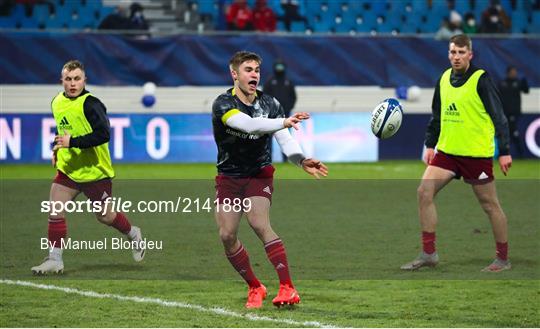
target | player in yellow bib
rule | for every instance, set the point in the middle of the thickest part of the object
(81, 157)
(467, 116)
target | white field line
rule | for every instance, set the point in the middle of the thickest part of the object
(161, 302)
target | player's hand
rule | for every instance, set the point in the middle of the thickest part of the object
(61, 141)
(294, 119)
(315, 168)
(429, 154)
(505, 162)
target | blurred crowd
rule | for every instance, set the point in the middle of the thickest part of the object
(239, 16)
(124, 18)
(376, 16)
(494, 20)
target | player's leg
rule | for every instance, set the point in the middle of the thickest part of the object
(228, 220)
(57, 228)
(101, 191)
(259, 220)
(228, 191)
(433, 180)
(487, 196)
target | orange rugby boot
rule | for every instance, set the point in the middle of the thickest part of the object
(287, 295)
(256, 296)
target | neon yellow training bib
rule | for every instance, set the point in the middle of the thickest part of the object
(81, 165)
(466, 127)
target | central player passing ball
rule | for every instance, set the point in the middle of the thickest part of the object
(244, 120)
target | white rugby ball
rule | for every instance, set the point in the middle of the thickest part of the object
(386, 118)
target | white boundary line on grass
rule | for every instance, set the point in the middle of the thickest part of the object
(161, 302)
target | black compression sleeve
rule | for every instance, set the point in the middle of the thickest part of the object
(491, 99)
(434, 126)
(96, 114)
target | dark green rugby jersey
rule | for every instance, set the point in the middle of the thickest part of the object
(241, 154)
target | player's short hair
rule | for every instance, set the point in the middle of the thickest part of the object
(243, 56)
(461, 40)
(73, 65)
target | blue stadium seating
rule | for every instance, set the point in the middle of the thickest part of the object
(333, 7)
(207, 7)
(394, 19)
(535, 22)
(356, 8)
(28, 23)
(41, 13)
(87, 17)
(104, 12)
(432, 23)
(519, 21)
(18, 12)
(313, 8)
(462, 6)
(276, 7)
(419, 6)
(369, 23)
(415, 20)
(343, 26)
(378, 7)
(407, 16)
(298, 27)
(408, 28)
(507, 6)
(57, 22)
(70, 6)
(7, 22)
(398, 6)
(523, 5)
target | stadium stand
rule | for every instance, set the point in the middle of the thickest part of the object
(323, 16)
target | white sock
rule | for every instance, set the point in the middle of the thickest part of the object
(56, 254)
(132, 234)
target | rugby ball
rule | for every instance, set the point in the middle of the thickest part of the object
(386, 118)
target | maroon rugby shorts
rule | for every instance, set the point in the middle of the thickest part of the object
(474, 171)
(95, 191)
(239, 188)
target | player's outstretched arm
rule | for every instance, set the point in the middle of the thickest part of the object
(505, 162)
(245, 123)
(315, 167)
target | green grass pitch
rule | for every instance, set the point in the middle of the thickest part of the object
(345, 236)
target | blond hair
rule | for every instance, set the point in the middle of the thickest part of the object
(73, 65)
